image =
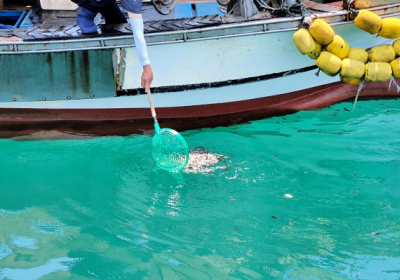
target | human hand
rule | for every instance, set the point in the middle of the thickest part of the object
(147, 77)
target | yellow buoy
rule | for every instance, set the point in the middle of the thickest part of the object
(383, 53)
(338, 47)
(395, 64)
(303, 41)
(321, 31)
(368, 21)
(315, 53)
(352, 68)
(329, 63)
(396, 47)
(377, 72)
(352, 81)
(390, 28)
(358, 54)
(330, 74)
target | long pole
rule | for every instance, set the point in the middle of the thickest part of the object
(1, 5)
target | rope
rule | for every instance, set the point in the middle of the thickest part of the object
(393, 81)
(294, 10)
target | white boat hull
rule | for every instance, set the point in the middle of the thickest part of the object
(213, 76)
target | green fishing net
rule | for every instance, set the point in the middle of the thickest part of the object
(170, 150)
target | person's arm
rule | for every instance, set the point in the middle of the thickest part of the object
(136, 21)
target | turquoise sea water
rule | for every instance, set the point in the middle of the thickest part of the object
(313, 195)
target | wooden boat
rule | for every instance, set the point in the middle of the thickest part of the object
(210, 70)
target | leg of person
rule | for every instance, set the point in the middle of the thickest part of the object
(112, 14)
(85, 20)
(86, 15)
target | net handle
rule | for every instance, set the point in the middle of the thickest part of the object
(153, 111)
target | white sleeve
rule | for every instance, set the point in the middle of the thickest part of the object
(140, 43)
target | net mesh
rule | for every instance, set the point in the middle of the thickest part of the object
(170, 150)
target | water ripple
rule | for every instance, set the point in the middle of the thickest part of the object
(36, 273)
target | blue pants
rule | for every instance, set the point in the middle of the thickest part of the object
(5, 26)
(107, 8)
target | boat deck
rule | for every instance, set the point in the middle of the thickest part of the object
(53, 25)
(65, 32)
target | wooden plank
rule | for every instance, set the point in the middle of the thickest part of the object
(183, 1)
(195, 1)
(321, 7)
(364, 4)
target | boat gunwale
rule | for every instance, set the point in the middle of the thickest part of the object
(12, 48)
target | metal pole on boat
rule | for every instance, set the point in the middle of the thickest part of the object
(245, 8)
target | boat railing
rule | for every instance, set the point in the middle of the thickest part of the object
(121, 37)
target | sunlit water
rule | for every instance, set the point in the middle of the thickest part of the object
(313, 195)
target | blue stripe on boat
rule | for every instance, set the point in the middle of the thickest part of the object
(208, 8)
(183, 10)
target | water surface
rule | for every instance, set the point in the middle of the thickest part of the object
(313, 195)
